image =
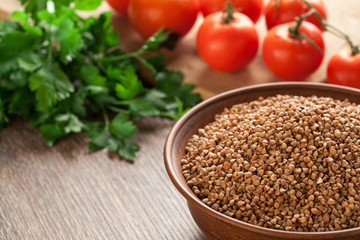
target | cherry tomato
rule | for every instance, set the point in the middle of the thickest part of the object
(344, 69)
(227, 47)
(287, 10)
(251, 8)
(120, 6)
(147, 16)
(291, 58)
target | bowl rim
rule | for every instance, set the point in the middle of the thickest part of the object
(182, 187)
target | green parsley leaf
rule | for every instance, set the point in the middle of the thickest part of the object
(77, 104)
(168, 81)
(87, 4)
(121, 127)
(51, 85)
(98, 135)
(7, 27)
(60, 71)
(127, 149)
(22, 103)
(141, 107)
(19, 16)
(101, 35)
(32, 29)
(30, 61)
(62, 3)
(70, 123)
(34, 6)
(129, 85)
(51, 132)
(159, 100)
(91, 76)
(184, 93)
(69, 39)
(16, 80)
(16, 43)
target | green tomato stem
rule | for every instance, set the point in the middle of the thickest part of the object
(354, 49)
(277, 4)
(317, 14)
(312, 42)
(228, 14)
(332, 29)
(294, 31)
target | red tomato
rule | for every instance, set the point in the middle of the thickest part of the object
(344, 69)
(290, 58)
(251, 8)
(287, 10)
(227, 47)
(147, 16)
(120, 6)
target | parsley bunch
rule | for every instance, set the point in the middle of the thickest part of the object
(61, 72)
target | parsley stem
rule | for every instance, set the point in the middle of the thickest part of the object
(124, 56)
(168, 115)
(119, 110)
(50, 48)
(106, 118)
(122, 102)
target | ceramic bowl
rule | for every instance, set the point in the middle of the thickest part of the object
(216, 225)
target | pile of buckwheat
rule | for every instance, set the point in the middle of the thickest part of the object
(285, 162)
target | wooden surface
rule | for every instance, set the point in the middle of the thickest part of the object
(65, 192)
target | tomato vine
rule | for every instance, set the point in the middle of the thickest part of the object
(332, 29)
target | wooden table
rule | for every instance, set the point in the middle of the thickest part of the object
(65, 192)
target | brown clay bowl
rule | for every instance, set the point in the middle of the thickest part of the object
(216, 225)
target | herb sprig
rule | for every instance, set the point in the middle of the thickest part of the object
(60, 72)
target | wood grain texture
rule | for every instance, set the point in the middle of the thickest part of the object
(65, 192)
